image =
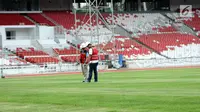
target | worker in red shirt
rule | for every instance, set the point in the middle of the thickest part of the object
(84, 64)
(93, 60)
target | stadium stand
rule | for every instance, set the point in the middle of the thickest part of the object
(40, 60)
(147, 22)
(129, 48)
(192, 22)
(155, 32)
(74, 58)
(24, 54)
(32, 55)
(66, 51)
(69, 22)
(174, 45)
(70, 58)
(14, 19)
(84, 28)
(7, 58)
(58, 16)
(39, 18)
(166, 29)
(132, 22)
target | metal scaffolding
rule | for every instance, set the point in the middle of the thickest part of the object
(93, 8)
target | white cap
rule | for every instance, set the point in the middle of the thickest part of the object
(83, 45)
(87, 43)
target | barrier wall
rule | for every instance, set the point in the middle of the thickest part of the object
(63, 68)
(155, 63)
(44, 69)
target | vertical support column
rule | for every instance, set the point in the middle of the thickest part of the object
(1, 5)
(132, 5)
(97, 22)
(79, 5)
(61, 4)
(139, 5)
(1, 41)
(123, 5)
(104, 4)
(128, 6)
(90, 19)
(2, 56)
(145, 6)
(112, 27)
(39, 8)
(97, 25)
(75, 21)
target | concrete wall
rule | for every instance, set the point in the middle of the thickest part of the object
(3, 35)
(16, 43)
(136, 64)
(46, 32)
(25, 34)
(22, 33)
(51, 68)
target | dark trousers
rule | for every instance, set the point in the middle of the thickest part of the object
(93, 68)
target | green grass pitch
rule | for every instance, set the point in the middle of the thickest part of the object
(172, 90)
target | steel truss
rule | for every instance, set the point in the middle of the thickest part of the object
(93, 8)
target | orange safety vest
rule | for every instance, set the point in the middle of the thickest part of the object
(94, 56)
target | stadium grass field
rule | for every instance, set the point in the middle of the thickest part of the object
(171, 90)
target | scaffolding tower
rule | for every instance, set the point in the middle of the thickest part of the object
(92, 9)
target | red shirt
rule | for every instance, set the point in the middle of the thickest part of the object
(83, 57)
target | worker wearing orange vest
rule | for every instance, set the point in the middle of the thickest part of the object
(93, 62)
(84, 64)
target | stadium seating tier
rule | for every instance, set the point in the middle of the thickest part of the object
(41, 19)
(14, 19)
